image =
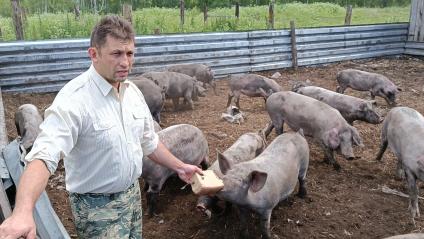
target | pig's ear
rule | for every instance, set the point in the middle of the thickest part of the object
(356, 137)
(257, 180)
(263, 93)
(373, 103)
(224, 163)
(365, 106)
(332, 138)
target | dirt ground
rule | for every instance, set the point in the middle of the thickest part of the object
(345, 204)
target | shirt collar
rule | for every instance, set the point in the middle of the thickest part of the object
(102, 83)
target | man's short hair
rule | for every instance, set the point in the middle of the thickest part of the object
(113, 26)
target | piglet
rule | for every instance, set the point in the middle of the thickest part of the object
(246, 147)
(251, 85)
(260, 184)
(201, 72)
(376, 84)
(186, 142)
(153, 94)
(27, 122)
(317, 119)
(350, 107)
(403, 130)
(176, 85)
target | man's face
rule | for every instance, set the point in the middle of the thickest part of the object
(113, 60)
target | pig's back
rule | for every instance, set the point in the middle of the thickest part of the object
(281, 160)
(304, 112)
(186, 142)
(405, 128)
(356, 79)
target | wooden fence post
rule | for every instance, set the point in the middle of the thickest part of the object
(293, 44)
(237, 11)
(127, 12)
(17, 19)
(77, 11)
(181, 14)
(416, 21)
(205, 12)
(348, 18)
(271, 15)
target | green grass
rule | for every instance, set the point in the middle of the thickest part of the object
(64, 25)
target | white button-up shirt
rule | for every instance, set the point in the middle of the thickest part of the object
(101, 134)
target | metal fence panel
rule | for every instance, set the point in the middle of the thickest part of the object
(414, 48)
(44, 66)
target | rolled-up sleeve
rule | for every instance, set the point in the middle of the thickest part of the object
(58, 136)
(150, 139)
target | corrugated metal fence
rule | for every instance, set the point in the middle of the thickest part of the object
(47, 65)
(415, 44)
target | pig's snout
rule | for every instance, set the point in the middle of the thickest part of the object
(202, 208)
(353, 157)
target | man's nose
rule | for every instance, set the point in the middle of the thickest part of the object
(125, 61)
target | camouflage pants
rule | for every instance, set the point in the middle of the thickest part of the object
(116, 215)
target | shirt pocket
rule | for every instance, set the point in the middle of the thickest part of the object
(105, 132)
(137, 126)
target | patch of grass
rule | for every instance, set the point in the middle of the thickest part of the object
(64, 25)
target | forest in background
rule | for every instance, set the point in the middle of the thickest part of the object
(115, 6)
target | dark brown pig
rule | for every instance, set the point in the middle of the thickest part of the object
(260, 184)
(251, 85)
(317, 119)
(153, 94)
(202, 73)
(176, 85)
(351, 108)
(187, 143)
(246, 148)
(403, 130)
(376, 84)
(27, 122)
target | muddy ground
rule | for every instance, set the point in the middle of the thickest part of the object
(345, 204)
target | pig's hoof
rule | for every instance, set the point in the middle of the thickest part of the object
(302, 193)
(337, 167)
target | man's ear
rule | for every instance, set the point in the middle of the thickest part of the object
(92, 52)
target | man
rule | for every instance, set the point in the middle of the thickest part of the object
(100, 124)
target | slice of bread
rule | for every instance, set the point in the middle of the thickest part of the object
(208, 183)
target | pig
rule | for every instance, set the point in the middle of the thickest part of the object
(186, 142)
(202, 73)
(260, 184)
(376, 84)
(201, 91)
(153, 94)
(403, 130)
(408, 236)
(176, 85)
(251, 85)
(351, 108)
(156, 126)
(246, 147)
(317, 119)
(27, 122)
